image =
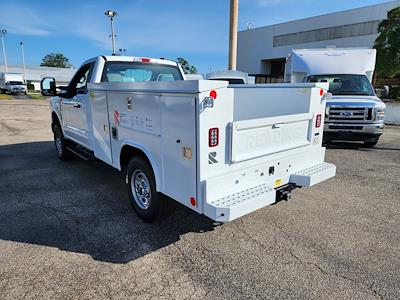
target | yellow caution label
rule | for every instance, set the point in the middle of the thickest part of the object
(278, 183)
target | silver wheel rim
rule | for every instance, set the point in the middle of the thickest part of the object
(58, 143)
(140, 187)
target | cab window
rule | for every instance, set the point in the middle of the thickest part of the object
(78, 84)
(139, 72)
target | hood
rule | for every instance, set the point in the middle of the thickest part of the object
(371, 101)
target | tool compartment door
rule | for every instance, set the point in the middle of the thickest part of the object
(259, 137)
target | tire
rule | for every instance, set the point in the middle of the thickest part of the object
(147, 203)
(61, 144)
(370, 144)
(3, 91)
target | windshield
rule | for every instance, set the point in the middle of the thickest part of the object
(15, 83)
(345, 84)
(139, 72)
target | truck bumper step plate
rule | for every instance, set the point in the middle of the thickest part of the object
(236, 205)
(313, 175)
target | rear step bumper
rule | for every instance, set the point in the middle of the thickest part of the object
(236, 205)
(313, 175)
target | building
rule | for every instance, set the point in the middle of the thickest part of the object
(262, 51)
(35, 74)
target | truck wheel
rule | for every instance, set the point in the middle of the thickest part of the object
(60, 143)
(371, 144)
(3, 91)
(142, 190)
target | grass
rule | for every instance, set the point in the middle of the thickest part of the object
(5, 97)
(37, 96)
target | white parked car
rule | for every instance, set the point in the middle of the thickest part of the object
(12, 83)
(232, 76)
(221, 151)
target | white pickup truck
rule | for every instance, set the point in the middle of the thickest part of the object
(222, 151)
(12, 83)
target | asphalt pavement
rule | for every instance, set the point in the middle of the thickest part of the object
(67, 230)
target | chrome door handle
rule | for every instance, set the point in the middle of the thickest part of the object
(276, 126)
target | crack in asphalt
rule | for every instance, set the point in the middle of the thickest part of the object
(12, 130)
(314, 264)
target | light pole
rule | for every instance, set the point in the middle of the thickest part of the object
(3, 32)
(23, 59)
(111, 14)
(233, 27)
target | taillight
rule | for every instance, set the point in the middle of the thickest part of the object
(145, 60)
(318, 121)
(213, 137)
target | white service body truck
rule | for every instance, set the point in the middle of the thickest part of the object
(354, 112)
(222, 151)
(12, 83)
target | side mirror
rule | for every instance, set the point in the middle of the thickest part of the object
(48, 86)
(385, 91)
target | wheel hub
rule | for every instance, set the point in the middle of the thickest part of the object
(140, 187)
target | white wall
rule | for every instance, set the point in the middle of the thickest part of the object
(257, 44)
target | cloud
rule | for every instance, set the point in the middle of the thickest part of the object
(23, 20)
(268, 2)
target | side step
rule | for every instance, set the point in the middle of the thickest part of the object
(313, 175)
(81, 152)
(236, 205)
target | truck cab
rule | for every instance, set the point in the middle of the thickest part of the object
(354, 112)
(72, 104)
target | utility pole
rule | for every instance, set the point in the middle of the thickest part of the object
(233, 28)
(23, 60)
(111, 14)
(3, 32)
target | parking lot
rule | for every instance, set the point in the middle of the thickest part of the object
(68, 231)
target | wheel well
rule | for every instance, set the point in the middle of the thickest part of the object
(54, 120)
(127, 152)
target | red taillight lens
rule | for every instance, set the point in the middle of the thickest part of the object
(318, 121)
(213, 137)
(145, 60)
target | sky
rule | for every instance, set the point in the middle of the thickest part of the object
(193, 29)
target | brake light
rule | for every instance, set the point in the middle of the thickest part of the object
(318, 121)
(213, 137)
(145, 60)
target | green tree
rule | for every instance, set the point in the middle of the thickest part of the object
(388, 45)
(186, 66)
(57, 60)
